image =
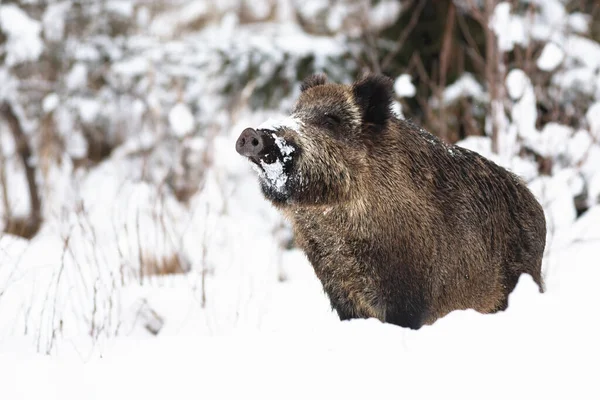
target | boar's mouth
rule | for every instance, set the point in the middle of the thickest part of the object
(270, 152)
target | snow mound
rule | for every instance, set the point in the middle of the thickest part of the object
(24, 41)
(404, 87)
(465, 86)
(593, 119)
(551, 57)
(181, 120)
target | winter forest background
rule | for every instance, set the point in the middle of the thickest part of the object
(138, 257)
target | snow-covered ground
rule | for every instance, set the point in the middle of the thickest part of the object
(543, 346)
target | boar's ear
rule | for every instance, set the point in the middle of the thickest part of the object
(312, 81)
(373, 94)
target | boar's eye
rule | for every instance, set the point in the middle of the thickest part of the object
(331, 121)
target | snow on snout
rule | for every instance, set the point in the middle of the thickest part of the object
(276, 124)
(284, 147)
(274, 173)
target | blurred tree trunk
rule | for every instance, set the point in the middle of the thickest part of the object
(26, 227)
(492, 69)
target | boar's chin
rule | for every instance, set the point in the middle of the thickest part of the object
(277, 197)
(274, 180)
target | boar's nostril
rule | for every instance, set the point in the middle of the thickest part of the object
(250, 143)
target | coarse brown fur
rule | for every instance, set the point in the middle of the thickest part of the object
(398, 225)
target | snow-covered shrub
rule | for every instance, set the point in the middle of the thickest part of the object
(523, 75)
(127, 108)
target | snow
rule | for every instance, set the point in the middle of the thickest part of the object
(181, 120)
(18, 198)
(384, 13)
(54, 21)
(24, 42)
(77, 77)
(76, 146)
(283, 146)
(143, 16)
(585, 51)
(403, 86)
(273, 124)
(579, 22)
(311, 8)
(50, 102)
(88, 109)
(131, 67)
(553, 12)
(555, 195)
(590, 168)
(552, 139)
(578, 146)
(274, 174)
(593, 119)
(465, 86)
(551, 57)
(529, 345)
(593, 189)
(582, 57)
(478, 144)
(577, 78)
(336, 16)
(517, 82)
(524, 111)
(300, 44)
(260, 9)
(509, 30)
(122, 7)
(166, 24)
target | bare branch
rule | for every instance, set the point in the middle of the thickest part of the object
(473, 49)
(404, 35)
(444, 65)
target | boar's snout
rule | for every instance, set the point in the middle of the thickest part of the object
(250, 143)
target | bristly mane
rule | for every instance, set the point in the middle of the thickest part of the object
(312, 81)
